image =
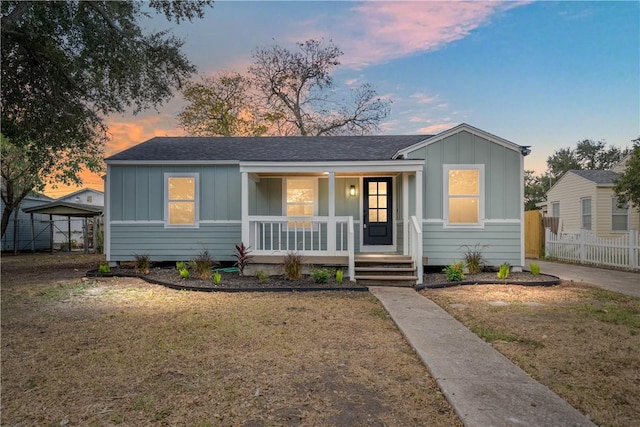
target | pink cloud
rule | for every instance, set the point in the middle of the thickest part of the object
(434, 129)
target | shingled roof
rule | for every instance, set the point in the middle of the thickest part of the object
(274, 149)
(599, 177)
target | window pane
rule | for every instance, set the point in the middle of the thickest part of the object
(181, 213)
(382, 188)
(464, 182)
(373, 215)
(382, 202)
(555, 210)
(373, 201)
(300, 190)
(619, 223)
(373, 188)
(299, 210)
(464, 211)
(382, 215)
(182, 188)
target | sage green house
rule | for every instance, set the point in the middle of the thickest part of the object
(328, 198)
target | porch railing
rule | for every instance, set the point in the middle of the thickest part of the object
(415, 246)
(316, 235)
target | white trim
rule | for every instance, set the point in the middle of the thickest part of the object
(582, 214)
(107, 215)
(196, 201)
(461, 127)
(172, 162)
(614, 203)
(221, 221)
(244, 208)
(331, 226)
(486, 221)
(522, 237)
(161, 222)
(445, 194)
(325, 167)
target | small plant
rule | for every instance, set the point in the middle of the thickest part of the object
(339, 276)
(535, 268)
(184, 273)
(503, 273)
(455, 271)
(293, 266)
(320, 275)
(202, 264)
(473, 257)
(262, 276)
(217, 278)
(104, 268)
(242, 257)
(142, 263)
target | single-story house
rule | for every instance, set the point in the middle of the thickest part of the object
(330, 198)
(73, 228)
(585, 200)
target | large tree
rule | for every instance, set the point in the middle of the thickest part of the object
(628, 185)
(68, 64)
(588, 154)
(298, 92)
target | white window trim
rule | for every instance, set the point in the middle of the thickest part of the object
(552, 204)
(582, 213)
(614, 203)
(196, 177)
(315, 196)
(445, 195)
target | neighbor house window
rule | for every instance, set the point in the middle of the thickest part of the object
(585, 208)
(555, 209)
(181, 195)
(619, 216)
(89, 199)
(463, 194)
(301, 199)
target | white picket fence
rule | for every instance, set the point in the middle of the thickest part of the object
(586, 248)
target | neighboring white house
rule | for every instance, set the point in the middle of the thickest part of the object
(585, 200)
(85, 196)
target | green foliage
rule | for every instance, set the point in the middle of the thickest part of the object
(142, 263)
(217, 278)
(535, 268)
(613, 313)
(293, 266)
(473, 257)
(104, 268)
(202, 264)
(628, 185)
(180, 265)
(262, 276)
(504, 271)
(241, 254)
(455, 271)
(535, 189)
(339, 276)
(184, 273)
(320, 275)
(588, 154)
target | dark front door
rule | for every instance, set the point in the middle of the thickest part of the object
(378, 212)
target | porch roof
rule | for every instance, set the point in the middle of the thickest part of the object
(268, 149)
(383, 166)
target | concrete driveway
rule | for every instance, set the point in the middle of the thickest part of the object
(624, 282)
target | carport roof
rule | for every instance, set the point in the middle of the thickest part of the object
(75, 210)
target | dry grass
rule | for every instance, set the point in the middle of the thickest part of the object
(583, 343)
(123, 352)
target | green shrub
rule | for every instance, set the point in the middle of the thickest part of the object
(339, 276)
(217, 278)
(473, 257)
(142, 263)
(503, 273)
(262, 276)
(104, 268)
(320, 275)
(202, 264)
(242, 256)
(535, 268)
(184, 273)
(293, 266)
(180, 265)
(455, 271)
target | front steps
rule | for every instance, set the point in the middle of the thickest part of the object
(385, 270)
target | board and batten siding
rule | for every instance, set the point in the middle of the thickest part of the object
(136, 213)
(502, 230)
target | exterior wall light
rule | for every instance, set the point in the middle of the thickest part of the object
(352, 190)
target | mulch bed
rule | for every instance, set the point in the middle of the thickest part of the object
(525, 278)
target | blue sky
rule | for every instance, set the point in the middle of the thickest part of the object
(544, 74)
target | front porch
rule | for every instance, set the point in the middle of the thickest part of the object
(331, 212)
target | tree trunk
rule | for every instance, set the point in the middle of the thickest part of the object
(6, 214)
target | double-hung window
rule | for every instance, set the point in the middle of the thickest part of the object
(585, 210)
(555, 209)
(619, 216)
(301, 195)
(181, 200)
(463, 195)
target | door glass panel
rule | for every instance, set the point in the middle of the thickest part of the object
(373, 215)
(382, 188)
(382, 215)
(382, 202)
(373, 188)
(373, 202)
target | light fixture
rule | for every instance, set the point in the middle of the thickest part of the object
(352, 190)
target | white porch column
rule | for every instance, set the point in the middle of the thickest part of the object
(418, 213)
(405, 213)
(331, 225)
(244, 195)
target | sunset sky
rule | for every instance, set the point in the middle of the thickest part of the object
(544, 74)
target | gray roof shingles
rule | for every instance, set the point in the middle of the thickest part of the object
(598, 176)
(283, 149)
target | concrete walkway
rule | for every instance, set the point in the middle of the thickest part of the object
(624, 282)
(483, 387)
